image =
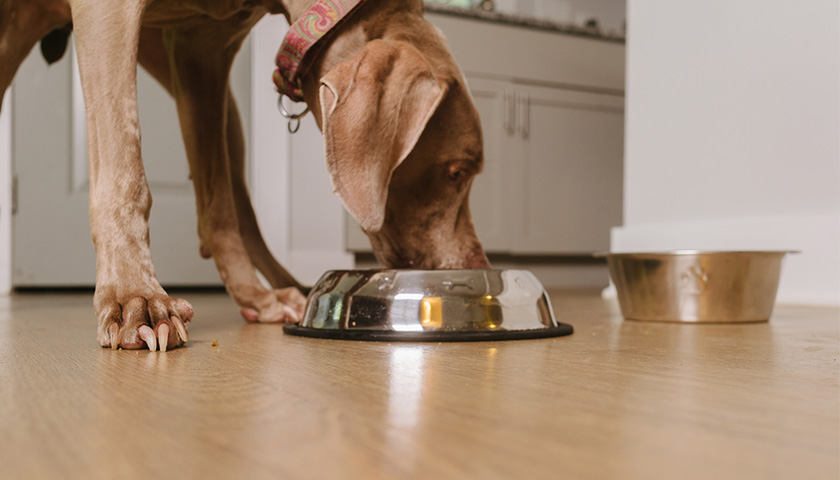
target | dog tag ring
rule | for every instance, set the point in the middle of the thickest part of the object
(294, 118)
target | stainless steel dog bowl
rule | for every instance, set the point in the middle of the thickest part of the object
(696, 286)
(428, 305)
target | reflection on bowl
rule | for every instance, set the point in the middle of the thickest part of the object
(428, 305)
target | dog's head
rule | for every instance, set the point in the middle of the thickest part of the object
(403, 145)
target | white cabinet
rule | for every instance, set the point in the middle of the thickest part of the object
(552, 114)
(552, 183)
(490, 196)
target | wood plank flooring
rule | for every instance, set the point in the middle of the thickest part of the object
(616, 400)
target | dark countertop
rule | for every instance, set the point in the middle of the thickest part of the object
(526, 21)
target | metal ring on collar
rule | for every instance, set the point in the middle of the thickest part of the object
(294, 118)
(287, 114)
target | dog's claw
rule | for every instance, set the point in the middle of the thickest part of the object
(114, 335)
(156, 322)
(180, 328)
(163, 337)
(148, 335)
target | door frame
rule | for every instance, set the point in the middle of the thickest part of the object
(6, 181)
(269, 166)
(273, 174)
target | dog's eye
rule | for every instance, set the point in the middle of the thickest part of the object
(456, 174)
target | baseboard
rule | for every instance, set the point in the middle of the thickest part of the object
(811, 277)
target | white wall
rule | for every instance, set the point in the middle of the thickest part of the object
(733, 133)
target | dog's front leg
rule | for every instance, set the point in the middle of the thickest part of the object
(200, 87)
(130, 304)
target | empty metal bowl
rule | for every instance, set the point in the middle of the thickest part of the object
(696, 286)
(428, 305)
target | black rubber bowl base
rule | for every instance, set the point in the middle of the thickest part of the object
(560, 330)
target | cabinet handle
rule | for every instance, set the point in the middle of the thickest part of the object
(525, 115)
(510, 112)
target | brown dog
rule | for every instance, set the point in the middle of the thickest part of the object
(402, 137)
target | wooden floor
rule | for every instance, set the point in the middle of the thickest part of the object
(616, 400)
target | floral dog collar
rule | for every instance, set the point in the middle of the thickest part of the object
(301, 45)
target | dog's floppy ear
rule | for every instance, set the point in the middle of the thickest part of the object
(54, 44)
(374, 108)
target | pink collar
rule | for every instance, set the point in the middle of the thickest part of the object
(300, 46)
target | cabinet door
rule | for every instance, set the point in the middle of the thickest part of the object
(490, 196)
(572, 170)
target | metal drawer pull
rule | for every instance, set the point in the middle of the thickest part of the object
(510, 113)
(525, 115)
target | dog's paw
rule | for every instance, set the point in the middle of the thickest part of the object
(136, 322)
(277, 306)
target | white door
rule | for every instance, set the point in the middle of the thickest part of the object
(51, 234)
